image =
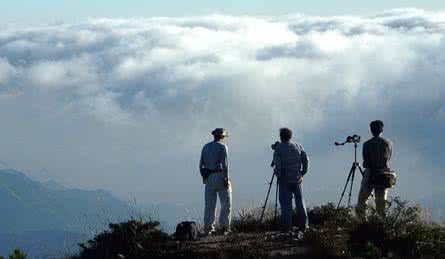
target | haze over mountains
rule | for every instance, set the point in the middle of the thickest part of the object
(33, 206)
(48, 218)
(44, 219)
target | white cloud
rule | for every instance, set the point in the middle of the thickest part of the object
(77, 72)
(163, 82)
(7, 71)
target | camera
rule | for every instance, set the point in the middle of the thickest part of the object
(350, 139)
(353, 139)
(274, 145)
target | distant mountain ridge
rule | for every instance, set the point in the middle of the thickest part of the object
(48, 219)
(28, 205)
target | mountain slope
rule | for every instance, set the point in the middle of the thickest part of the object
(28, 205)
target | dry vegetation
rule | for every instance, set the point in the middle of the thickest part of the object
(334, 233)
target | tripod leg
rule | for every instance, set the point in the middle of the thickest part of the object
(360, 168)
(276, 202)
(354, 167)
(344, 189)
(267, 197)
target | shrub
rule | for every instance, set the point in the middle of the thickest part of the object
(248, 221)
(328, 235)
(329, 215)
(131, 239)
(17, 254)
(403, 232)
(326, 243)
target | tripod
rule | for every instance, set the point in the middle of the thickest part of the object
(267, 197)
(351, 176)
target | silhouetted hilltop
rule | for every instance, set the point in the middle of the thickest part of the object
(334, 233)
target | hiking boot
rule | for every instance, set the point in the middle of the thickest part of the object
(224, 231)
(208, 233)
(299, 235)
(227, 232)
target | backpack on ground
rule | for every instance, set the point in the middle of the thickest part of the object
(186, 231)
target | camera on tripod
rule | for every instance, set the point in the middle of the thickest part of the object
(350, 139)
(355, 165)
(273, 146)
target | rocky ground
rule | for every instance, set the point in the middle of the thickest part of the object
(244, 245)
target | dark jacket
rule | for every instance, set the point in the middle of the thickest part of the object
(376, 153)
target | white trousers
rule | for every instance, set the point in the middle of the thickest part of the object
(365, 192)
(213, 188)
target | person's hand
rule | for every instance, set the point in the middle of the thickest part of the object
(278, 176)
(226, 183)
(300, 180)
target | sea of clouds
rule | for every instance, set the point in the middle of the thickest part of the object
(126, 104)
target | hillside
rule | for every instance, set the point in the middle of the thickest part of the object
(33, 206)
(48, 219)
(334, 233)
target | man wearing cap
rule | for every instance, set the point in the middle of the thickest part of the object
(291, 164)
(214, 169)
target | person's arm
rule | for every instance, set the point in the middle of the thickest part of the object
(388, 153)
(201, 167)
(225, 162)
(304, 162)
(201, 160)
(365, 154)
(277, 163)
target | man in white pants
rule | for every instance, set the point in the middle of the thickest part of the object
(377, 153)
(214, 169)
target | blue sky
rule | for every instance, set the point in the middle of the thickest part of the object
(74, 10)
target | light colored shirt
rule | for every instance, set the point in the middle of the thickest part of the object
(291, 162)
(214, 156)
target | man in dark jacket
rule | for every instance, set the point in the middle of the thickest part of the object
(291, 164)
(377, 152)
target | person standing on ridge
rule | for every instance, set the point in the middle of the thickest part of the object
(377, 152)
(291, 164)
(214, 169)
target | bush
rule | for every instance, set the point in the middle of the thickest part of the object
(328, 232)
(17, 254)
(248, 221)
(131, 239)
(329, 215)
(403, 232)
(326, 243)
